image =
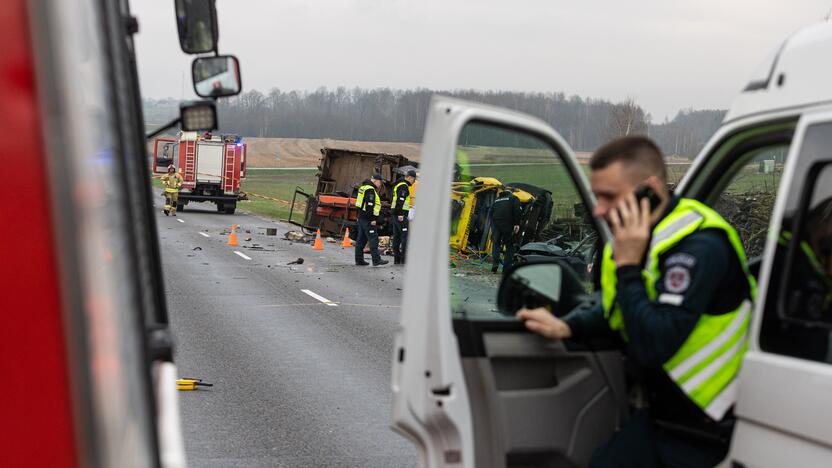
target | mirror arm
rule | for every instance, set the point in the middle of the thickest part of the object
(161, 129)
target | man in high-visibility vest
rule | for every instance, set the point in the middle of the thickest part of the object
(400, 211)
(172, 181)
(676, 290)
(368, 203)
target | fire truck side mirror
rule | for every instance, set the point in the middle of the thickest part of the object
(216, 76)
(198, 116)
(196, 22)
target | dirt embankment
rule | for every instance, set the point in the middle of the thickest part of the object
(303, 152)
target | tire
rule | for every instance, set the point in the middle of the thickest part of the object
(220, 207)
(180, 207)
(230, 208)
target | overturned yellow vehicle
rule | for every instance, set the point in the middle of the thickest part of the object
(471, 222)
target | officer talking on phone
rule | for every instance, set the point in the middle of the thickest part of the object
(676, 290)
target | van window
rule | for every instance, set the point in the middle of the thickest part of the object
(798, 305)
(513, 200)
(747, 201)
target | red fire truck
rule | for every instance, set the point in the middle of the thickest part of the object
(212, 167)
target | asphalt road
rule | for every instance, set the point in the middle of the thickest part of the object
(297, 382)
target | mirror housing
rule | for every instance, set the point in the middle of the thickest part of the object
(548, 284)
(196, 22)
(217, 76)
(198, 116)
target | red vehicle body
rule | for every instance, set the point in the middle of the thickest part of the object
(212, 167)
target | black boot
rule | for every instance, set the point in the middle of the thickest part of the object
(361, 263)
(380, 263)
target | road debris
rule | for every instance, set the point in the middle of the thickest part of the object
(296, 262)
(294, 236)
(197, 248)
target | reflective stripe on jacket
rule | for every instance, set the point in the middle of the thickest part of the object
(705, 367)
(364, 204)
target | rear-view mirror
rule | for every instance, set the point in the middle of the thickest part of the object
(216, 76)
(196, 22)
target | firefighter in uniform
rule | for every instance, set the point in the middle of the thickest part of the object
(368, 203)
(505, 224)
(677, 292)
(400, 211)
(172, 181)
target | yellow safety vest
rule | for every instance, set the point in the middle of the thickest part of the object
(375, 202)
(705, 367)
(406, 203)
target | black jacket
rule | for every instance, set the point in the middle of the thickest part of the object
(707, 277)
(371, 198)
(505, 212)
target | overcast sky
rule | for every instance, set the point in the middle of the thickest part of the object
(667, 54)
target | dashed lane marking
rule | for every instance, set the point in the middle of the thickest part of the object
(242, 255)
(320, 298)
(203, 234)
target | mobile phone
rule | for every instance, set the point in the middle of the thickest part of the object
(648, 193)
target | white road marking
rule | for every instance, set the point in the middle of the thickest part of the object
(242, 255)
(180, 220)
(320, 298)
(203, 234)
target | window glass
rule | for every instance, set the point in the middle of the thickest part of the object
(798, 309)
(747, 201)
(513, 200)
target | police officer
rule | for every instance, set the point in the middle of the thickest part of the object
(400, 211)
(676, 290)
(505, 224)
(172, 181)
(368, 203)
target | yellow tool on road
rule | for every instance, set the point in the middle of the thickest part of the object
(187, 383)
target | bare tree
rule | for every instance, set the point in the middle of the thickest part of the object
(627, 118)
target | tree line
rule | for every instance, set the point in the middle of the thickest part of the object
(385, 114)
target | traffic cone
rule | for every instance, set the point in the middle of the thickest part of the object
(347, 243)
(232, 238)
(318, 245)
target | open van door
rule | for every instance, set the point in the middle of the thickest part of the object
(471, 386)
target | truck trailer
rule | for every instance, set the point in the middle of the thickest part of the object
(340, 172)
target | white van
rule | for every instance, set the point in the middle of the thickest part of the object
(472, 388)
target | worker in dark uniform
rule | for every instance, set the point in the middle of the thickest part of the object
(368, 203)
(400, 209)
(677, 292)
(505, 224)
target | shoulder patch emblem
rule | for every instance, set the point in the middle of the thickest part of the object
(677, 279)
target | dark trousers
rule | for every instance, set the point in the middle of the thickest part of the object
(639, 443)
(366, 233)
(500, 239)
(399, 237)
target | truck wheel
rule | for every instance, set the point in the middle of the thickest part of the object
(230, 208)
(220, 207)
(180, 207)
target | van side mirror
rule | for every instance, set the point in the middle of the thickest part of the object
(548, 284)
(196, 22)
(216, 76)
